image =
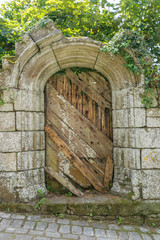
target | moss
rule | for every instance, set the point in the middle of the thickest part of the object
(153, 221)
(55, 208)
(88, 208)
(134, 220)
(131, 212)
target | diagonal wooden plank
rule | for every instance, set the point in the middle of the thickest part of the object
(88, 90)
(58, 161)
(77, 145)
(64, 181)
(74, 159)
(97, 140)
(99, 87)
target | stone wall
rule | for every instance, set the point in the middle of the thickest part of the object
(43, 52)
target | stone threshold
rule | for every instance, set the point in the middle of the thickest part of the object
(92, 207)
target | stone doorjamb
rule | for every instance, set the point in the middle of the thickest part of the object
(136, 131)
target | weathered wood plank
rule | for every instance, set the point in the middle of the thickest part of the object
(79, 100)
(108, 175)
(101, 81)
(90, 110)
(77, 145)
(74, 159)
(101, 172)
(99, 86)
(93, 170)
(100, 118)
(88, 90)
(64, 181)
(101, 144)
(74, 96)
(58, 161)
(85, 105)
(52, 158)
(104, 128)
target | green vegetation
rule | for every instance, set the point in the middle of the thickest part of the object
(42, 201)
(130, 28)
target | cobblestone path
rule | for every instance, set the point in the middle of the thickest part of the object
(27, 227)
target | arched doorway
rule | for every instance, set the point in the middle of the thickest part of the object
(78, 109)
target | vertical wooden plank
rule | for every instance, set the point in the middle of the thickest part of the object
(96, 115)
(69, 90)
(107, 121)
(90, 110)
(110, 125)
(80, 100)
(85, 105)
(65, 86)
(104, 129)
(100, 118)
(58, 84)
(108, 174)
(93, 113)
(74, 99)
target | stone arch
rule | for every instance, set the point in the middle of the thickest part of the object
(43, 52)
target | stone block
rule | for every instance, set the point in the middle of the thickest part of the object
(5, 78)
(23, 44)
(150, 158)
(7, 183)
(120, 138)
(29, 177)
(120, 118)
(40, 32)
(122, 175)
(8, 162)
(33, 140)
(31, 79)
(153, 112)
(7, 107)
(136, 178)
(137, 117)
(137, 137)
(153, 121)
(127, 157)
(10, 141)
(132, 117)
(29, 101)
(8, 96)
(120, 189)
(151, 184)
(7, 121)
(29, 193)
(76, 53)
(29, 121)
(120, 99)
(30, 160)
(138, 92)
(147, 138)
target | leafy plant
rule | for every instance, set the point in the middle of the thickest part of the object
(69, 194)
(120, 220)
(135, 50)
(42, 201)
(153, 225)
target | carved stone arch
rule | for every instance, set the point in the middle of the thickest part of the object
(43, 52)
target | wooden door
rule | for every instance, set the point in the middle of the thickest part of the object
(78, 110)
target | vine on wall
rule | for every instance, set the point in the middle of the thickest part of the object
(139, 60)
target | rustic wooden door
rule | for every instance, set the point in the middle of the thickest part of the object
(78, 110)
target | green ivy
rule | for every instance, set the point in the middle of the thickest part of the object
(135, 51)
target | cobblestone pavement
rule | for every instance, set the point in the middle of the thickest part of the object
(27, 227)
